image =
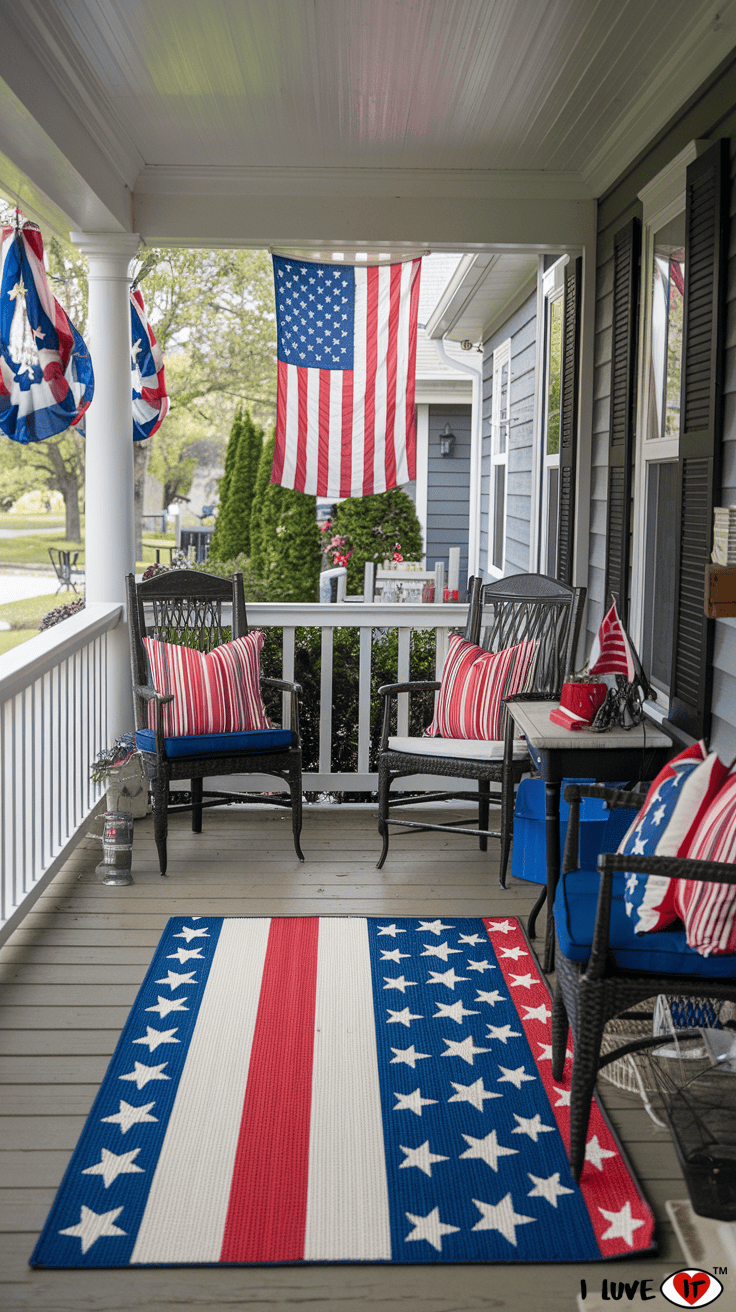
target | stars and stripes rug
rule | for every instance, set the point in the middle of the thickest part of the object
(339, 1090)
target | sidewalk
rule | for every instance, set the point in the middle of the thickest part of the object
(16, 585)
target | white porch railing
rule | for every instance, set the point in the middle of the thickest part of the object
(53, 722)
(364, 618)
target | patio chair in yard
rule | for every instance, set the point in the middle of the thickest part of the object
(530, 615)
(603, 966)
(186, 608)
(65, 567)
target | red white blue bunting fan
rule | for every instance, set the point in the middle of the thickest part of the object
(150, 399)
(46, 378)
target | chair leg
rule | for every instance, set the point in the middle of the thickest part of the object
(160, 790)
(507, 825)
(295, 788)
(197, 787)
(484, 793)
(560, 1031)
(384, 783)
(588, 1039)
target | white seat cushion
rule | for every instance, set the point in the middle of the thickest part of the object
(468, 749)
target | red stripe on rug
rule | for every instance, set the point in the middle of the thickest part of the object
(606, 1183)
(266, 1214)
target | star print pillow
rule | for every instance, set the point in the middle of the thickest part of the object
(674, 807)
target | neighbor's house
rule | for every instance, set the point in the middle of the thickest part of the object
(621, 498)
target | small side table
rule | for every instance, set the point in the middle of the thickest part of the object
(559, 753)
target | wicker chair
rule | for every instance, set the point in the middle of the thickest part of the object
(524, 606)
(188, 604)
(592, 926)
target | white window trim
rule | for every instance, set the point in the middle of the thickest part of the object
(553, 289)
(662, 200)
(501, 357)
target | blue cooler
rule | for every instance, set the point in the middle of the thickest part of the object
(529, 851)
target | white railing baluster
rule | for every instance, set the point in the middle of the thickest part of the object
(402, 710)
(287, 671)
(325, 703)
(364, 698)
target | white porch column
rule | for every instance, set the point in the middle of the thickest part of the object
(109, 524)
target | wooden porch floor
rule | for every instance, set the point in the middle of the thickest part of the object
(69, 975)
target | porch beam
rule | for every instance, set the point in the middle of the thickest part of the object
(109, 525)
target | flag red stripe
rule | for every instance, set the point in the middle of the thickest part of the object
(346, 457)
(278, 455)
(411, 412)
(370, 372)
(266, 1215)
(303, 421)
(323, 449)
(391, 365)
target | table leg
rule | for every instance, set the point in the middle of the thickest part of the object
(552, 819)
(532, 922)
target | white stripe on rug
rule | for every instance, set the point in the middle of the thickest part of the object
(185, 1214)
(347, 1196)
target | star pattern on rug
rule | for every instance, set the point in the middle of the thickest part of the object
(128, 1115)
(111, 1165)
(93, 1226)
(141, 1074)
(431, 1228)
(409, 1056)
(412, 1102)
(452, 1010)
(464, 1048)
(501, 1217)
(404, 1017)
(421, 1157)
(488, 1149)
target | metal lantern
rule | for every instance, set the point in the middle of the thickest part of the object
(447, 441)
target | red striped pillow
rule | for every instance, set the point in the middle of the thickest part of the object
(709, 910)
(475, 684)
(214, 692)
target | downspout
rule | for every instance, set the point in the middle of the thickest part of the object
(476, 435)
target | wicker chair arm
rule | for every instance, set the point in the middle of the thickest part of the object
(419, 685)
(148, 694)
(282, 684)
(613, 797)
(672, 867)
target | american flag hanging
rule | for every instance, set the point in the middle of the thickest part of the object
(46, 378)
(150, 399)
(347, 340)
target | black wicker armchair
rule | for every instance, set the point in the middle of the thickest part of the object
(186, 606)
(597, 953)
(501, 614)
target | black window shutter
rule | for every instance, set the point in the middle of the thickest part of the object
(701, 418)
(569, 387)
(626, 260)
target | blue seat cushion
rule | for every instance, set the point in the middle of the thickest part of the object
(217, 744)
(664, 952)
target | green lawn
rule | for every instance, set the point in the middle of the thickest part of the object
(30, 610)
(14, 637)
(31, 522)
(34, 550)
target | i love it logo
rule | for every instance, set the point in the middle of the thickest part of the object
(691, 1288)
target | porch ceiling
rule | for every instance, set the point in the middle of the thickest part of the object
(199, 122)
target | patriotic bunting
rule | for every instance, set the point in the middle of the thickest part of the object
(150, 399)
(46, 378)
(347, 338)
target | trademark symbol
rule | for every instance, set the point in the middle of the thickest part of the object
(720, 1270)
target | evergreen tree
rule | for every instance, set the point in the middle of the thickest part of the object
(286, 545)
(234, 539)
(224, 485)
(372, 526)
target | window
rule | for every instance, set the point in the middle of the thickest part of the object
(500, 408)
(658, 425)
(553, 288)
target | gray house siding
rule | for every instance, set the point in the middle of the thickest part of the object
(709, 115)
(448, 488)
(522, 329)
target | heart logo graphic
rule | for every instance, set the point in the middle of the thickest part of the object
(692, 1285)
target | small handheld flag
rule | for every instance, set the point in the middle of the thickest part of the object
(46, 378)
(347, 340)
(150, 399)
(611, 652)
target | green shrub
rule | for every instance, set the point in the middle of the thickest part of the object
(372, 526)
(286, 544)
(233, 523)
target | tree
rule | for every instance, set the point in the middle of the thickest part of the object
(233, 522)
(285, 540)
(372, 526)
(224, 484)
